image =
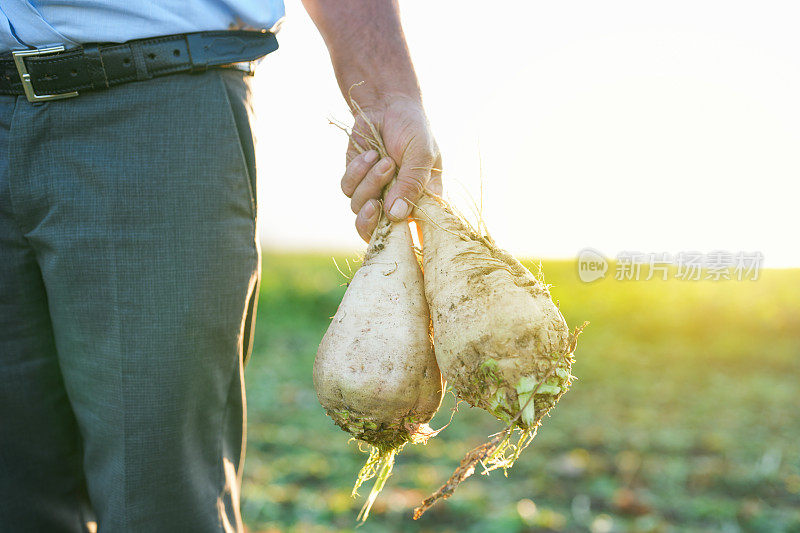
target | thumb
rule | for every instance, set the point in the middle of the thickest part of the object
(412, 177)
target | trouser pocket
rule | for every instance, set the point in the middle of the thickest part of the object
(236, 90)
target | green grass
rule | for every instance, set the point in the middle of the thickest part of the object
(684, 417)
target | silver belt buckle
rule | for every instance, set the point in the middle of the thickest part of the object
(27, 86)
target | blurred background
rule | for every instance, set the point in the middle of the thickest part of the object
(621, 126)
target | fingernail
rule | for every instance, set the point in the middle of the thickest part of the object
(370, 156)
(369, 210)
(384, 166)
(399, 209)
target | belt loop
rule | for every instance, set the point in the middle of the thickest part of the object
(94, 66)
(197, 51)
(189, 53)
(137, 53)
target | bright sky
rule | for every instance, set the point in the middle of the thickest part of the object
(655, 127)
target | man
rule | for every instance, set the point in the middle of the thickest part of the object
(128, 254)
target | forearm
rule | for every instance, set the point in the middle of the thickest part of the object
(366, 43)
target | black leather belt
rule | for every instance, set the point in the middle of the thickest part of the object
(52, 73)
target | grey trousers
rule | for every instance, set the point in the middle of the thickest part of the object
(128, 283)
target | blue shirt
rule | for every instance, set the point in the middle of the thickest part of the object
(40, 23)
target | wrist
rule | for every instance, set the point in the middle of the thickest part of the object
(376, 86)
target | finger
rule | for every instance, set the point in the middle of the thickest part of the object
(350, 154)
(353, 151)
(367, 219)
(373, 183)
(356, 170)
(413, 176)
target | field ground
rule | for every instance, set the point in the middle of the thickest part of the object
(684, 418)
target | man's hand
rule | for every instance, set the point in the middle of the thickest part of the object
(366, 44)
(408, 139)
